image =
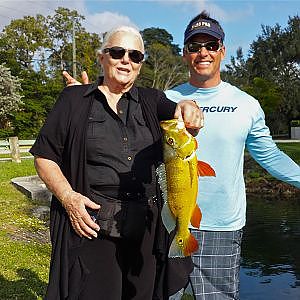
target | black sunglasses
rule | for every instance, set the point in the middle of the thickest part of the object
(118, 52)
(194, 47)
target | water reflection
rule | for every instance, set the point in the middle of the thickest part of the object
(270, 268)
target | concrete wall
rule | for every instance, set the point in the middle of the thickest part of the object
(295, 132)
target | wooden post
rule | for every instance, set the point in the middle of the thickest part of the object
(14, 149)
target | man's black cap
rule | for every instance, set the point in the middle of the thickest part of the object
(203, 26)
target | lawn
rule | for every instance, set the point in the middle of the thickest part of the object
(291, 149)
(24, 247)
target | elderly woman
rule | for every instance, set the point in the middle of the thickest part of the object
(97, 153)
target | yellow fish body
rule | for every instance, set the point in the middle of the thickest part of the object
(178, 179)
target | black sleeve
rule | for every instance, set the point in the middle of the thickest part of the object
(51, 139)
(165, 107)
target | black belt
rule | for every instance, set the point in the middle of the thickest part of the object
(120, 194)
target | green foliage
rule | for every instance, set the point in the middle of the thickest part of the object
(266, 92)
(161, 36)
(10, 98)
(164, 67)
(274, 58)
(38, 49)
(21, 40)
(295, 123)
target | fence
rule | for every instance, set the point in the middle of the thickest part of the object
(12, 148)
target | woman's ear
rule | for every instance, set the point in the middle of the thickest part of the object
(100, 59)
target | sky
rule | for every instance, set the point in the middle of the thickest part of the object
(241, 20)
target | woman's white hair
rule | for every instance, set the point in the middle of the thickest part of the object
(118, 29)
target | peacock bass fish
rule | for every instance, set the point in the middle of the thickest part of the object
(178, 180)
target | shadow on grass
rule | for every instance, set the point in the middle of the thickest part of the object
(29, 287)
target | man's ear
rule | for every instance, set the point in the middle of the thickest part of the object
(223, 52)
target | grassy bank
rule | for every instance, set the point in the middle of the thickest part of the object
(258, 181)
(24, 253)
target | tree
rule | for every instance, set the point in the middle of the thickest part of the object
(38, 49)
(161, 36)
(237, 73)
(163, 67)
(21, 41)
(10, 97)
(274, 58)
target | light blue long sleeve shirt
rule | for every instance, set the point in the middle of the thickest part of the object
(233, 120)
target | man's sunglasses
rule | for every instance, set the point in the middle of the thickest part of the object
(195, 47)
(118, 52)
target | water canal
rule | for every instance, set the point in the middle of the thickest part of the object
(270, 268)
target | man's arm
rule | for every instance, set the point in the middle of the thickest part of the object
(264, 150)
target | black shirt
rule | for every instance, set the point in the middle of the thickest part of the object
(120, 151)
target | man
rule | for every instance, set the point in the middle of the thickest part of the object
(233, 120)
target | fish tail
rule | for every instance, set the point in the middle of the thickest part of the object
(189, 245)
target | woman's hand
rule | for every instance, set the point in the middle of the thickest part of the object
(75, 204)
(191, 114)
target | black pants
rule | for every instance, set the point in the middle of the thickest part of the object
(119, 269)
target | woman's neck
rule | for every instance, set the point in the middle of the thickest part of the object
(116, 88)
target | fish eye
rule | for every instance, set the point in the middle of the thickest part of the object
(170, 141)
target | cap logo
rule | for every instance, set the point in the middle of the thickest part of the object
(199, 24)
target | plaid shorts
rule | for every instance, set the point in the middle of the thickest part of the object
(217, 263)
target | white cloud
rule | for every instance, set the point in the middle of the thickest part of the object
(17, 9)
(102, 22)
(94, 22)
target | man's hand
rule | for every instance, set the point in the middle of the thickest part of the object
(191, 114)
(72, 81)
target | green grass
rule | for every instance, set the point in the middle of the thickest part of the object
(7, 155)
(259, 181)
(24, 250)
(291, 149)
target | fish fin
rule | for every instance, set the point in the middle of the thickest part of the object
(204, 169)
(196, 217)
(190, 245)
(175, 250)
(162, 180)
(168, 218)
